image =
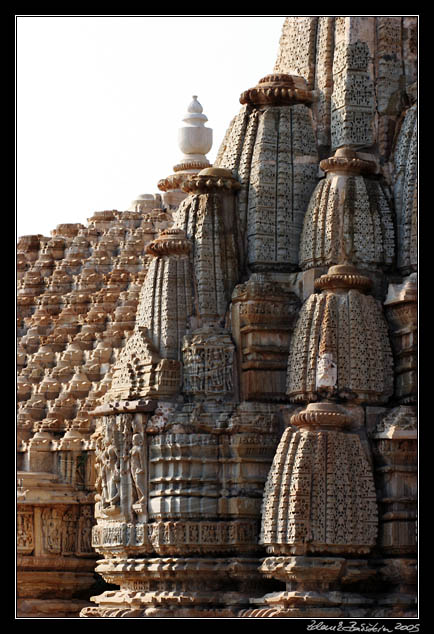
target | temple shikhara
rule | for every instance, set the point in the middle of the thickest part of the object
(217, 387)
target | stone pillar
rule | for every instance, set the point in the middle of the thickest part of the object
(394, 442)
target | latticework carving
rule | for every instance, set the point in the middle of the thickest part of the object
(165, 353)
(271, 148)
(340, 346)
(348, 218)
(320, 494)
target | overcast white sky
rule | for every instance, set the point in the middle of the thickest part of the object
(100, 100)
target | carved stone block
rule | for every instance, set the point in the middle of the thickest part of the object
(263, 314)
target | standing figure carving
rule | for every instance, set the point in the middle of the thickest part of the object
(138, 468)
(110, 475)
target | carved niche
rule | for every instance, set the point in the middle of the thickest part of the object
(140, 372)
(208, 357)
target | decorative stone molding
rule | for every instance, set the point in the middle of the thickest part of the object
(209, 221)
(343, 277)
(348, 161)
(169, 242)
(263, 315)
(405, 173)
(210, 179)
(348, 217)
(176, 587)
(395, 452)
(272, 152)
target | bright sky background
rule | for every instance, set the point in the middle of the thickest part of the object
(100, 100)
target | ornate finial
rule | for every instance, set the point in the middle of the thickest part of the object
(194, 139)
(343, 276)
(194, 114)
(278, 89)
(347, 160)
(169, 242)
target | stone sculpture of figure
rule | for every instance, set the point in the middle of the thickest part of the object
(110, 473)
(86, 530)
(214, 370)
(138, 471)
(114, 475)
(51, 527)
(70, 534)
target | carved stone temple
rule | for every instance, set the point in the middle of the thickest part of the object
(217, 387)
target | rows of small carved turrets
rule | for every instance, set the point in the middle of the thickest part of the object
(77, 299)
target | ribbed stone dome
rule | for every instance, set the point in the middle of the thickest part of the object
(270, 148)
(320, 495)
(348, 216)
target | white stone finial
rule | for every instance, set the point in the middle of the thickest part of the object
(194, 116)
(194, 139)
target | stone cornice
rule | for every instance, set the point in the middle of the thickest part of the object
(348, 163)
(324, 415)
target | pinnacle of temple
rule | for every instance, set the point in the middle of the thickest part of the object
(194, 141)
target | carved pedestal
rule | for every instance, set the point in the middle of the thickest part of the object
(55, 559)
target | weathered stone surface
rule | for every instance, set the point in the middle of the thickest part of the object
(348, 217)
(229, 367)
(270, 147)
(340, 347)
(316, 463)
